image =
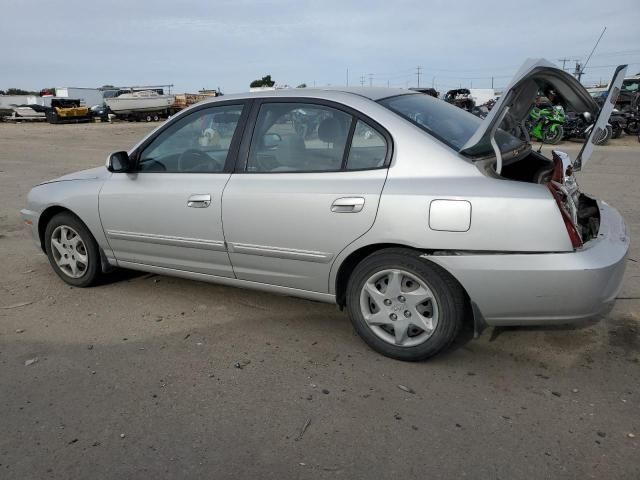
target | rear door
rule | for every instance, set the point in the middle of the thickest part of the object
(308, 181)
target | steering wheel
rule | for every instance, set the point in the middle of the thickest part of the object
(193, 155)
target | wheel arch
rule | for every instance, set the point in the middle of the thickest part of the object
(45, 218)
(53, 210)
(355, 257)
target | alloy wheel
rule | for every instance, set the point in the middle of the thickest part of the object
(69, 251)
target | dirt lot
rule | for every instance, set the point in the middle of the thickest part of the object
(139, 378)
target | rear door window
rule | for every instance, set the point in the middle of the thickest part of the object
(298, 137)
(368, 148)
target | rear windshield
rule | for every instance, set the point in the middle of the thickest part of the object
(447, 123)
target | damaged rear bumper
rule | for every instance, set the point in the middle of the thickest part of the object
(546, 288)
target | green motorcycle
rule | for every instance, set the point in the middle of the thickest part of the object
(545, 124)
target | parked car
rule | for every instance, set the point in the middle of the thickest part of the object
(414, 215)
(100, 111)
(461, 98)
(618, 118)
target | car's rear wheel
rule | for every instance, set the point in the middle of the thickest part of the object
(403, 306)
(72, 250)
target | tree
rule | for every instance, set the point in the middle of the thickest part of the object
(263, 82)
(302, 85)
(19, 91)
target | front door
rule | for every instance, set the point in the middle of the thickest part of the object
(168, 212)
(309, 186)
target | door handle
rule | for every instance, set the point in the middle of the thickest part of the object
(199, 200)
(347, 205)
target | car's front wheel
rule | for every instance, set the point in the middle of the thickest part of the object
(403, 306)
(72, 250)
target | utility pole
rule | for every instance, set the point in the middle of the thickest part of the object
(418, 68)
(491, 82)
(362, 80)
(564, 61)
(371, 79)
(577, 72)
(347, 77)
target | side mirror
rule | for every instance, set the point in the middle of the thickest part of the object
(119, 162)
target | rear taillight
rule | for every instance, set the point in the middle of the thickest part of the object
(574, 236)
(557, 174)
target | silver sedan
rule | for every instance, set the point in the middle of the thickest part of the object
(413, 214)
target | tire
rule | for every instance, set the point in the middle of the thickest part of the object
(616, 131)
(554, 138)
(633, 127)
(156, 118)
(604, 138)
(148, 118)
(443, 311)
(87, 264)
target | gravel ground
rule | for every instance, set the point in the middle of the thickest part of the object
(149, 376)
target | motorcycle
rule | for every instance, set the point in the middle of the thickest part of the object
(633, 119)
(546, 124)
(618, 122)
(579, 125)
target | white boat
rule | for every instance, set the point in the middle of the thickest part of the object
(142, 101)
(27, 113)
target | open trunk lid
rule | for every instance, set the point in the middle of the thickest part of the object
(515, 103)
(603, 118)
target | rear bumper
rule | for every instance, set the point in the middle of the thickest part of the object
(547, 288)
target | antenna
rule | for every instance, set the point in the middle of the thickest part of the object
(589, 57)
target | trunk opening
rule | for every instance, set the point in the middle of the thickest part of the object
(580, 212)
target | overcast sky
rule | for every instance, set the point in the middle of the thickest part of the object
(226, 44)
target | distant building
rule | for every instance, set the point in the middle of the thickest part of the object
(88, 96)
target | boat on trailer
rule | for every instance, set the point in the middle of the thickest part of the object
(145, 101)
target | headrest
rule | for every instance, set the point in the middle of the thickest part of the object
(330, 130)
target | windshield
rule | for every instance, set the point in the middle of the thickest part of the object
(631, 85)
(447, 123)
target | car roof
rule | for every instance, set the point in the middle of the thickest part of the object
(328, 93)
